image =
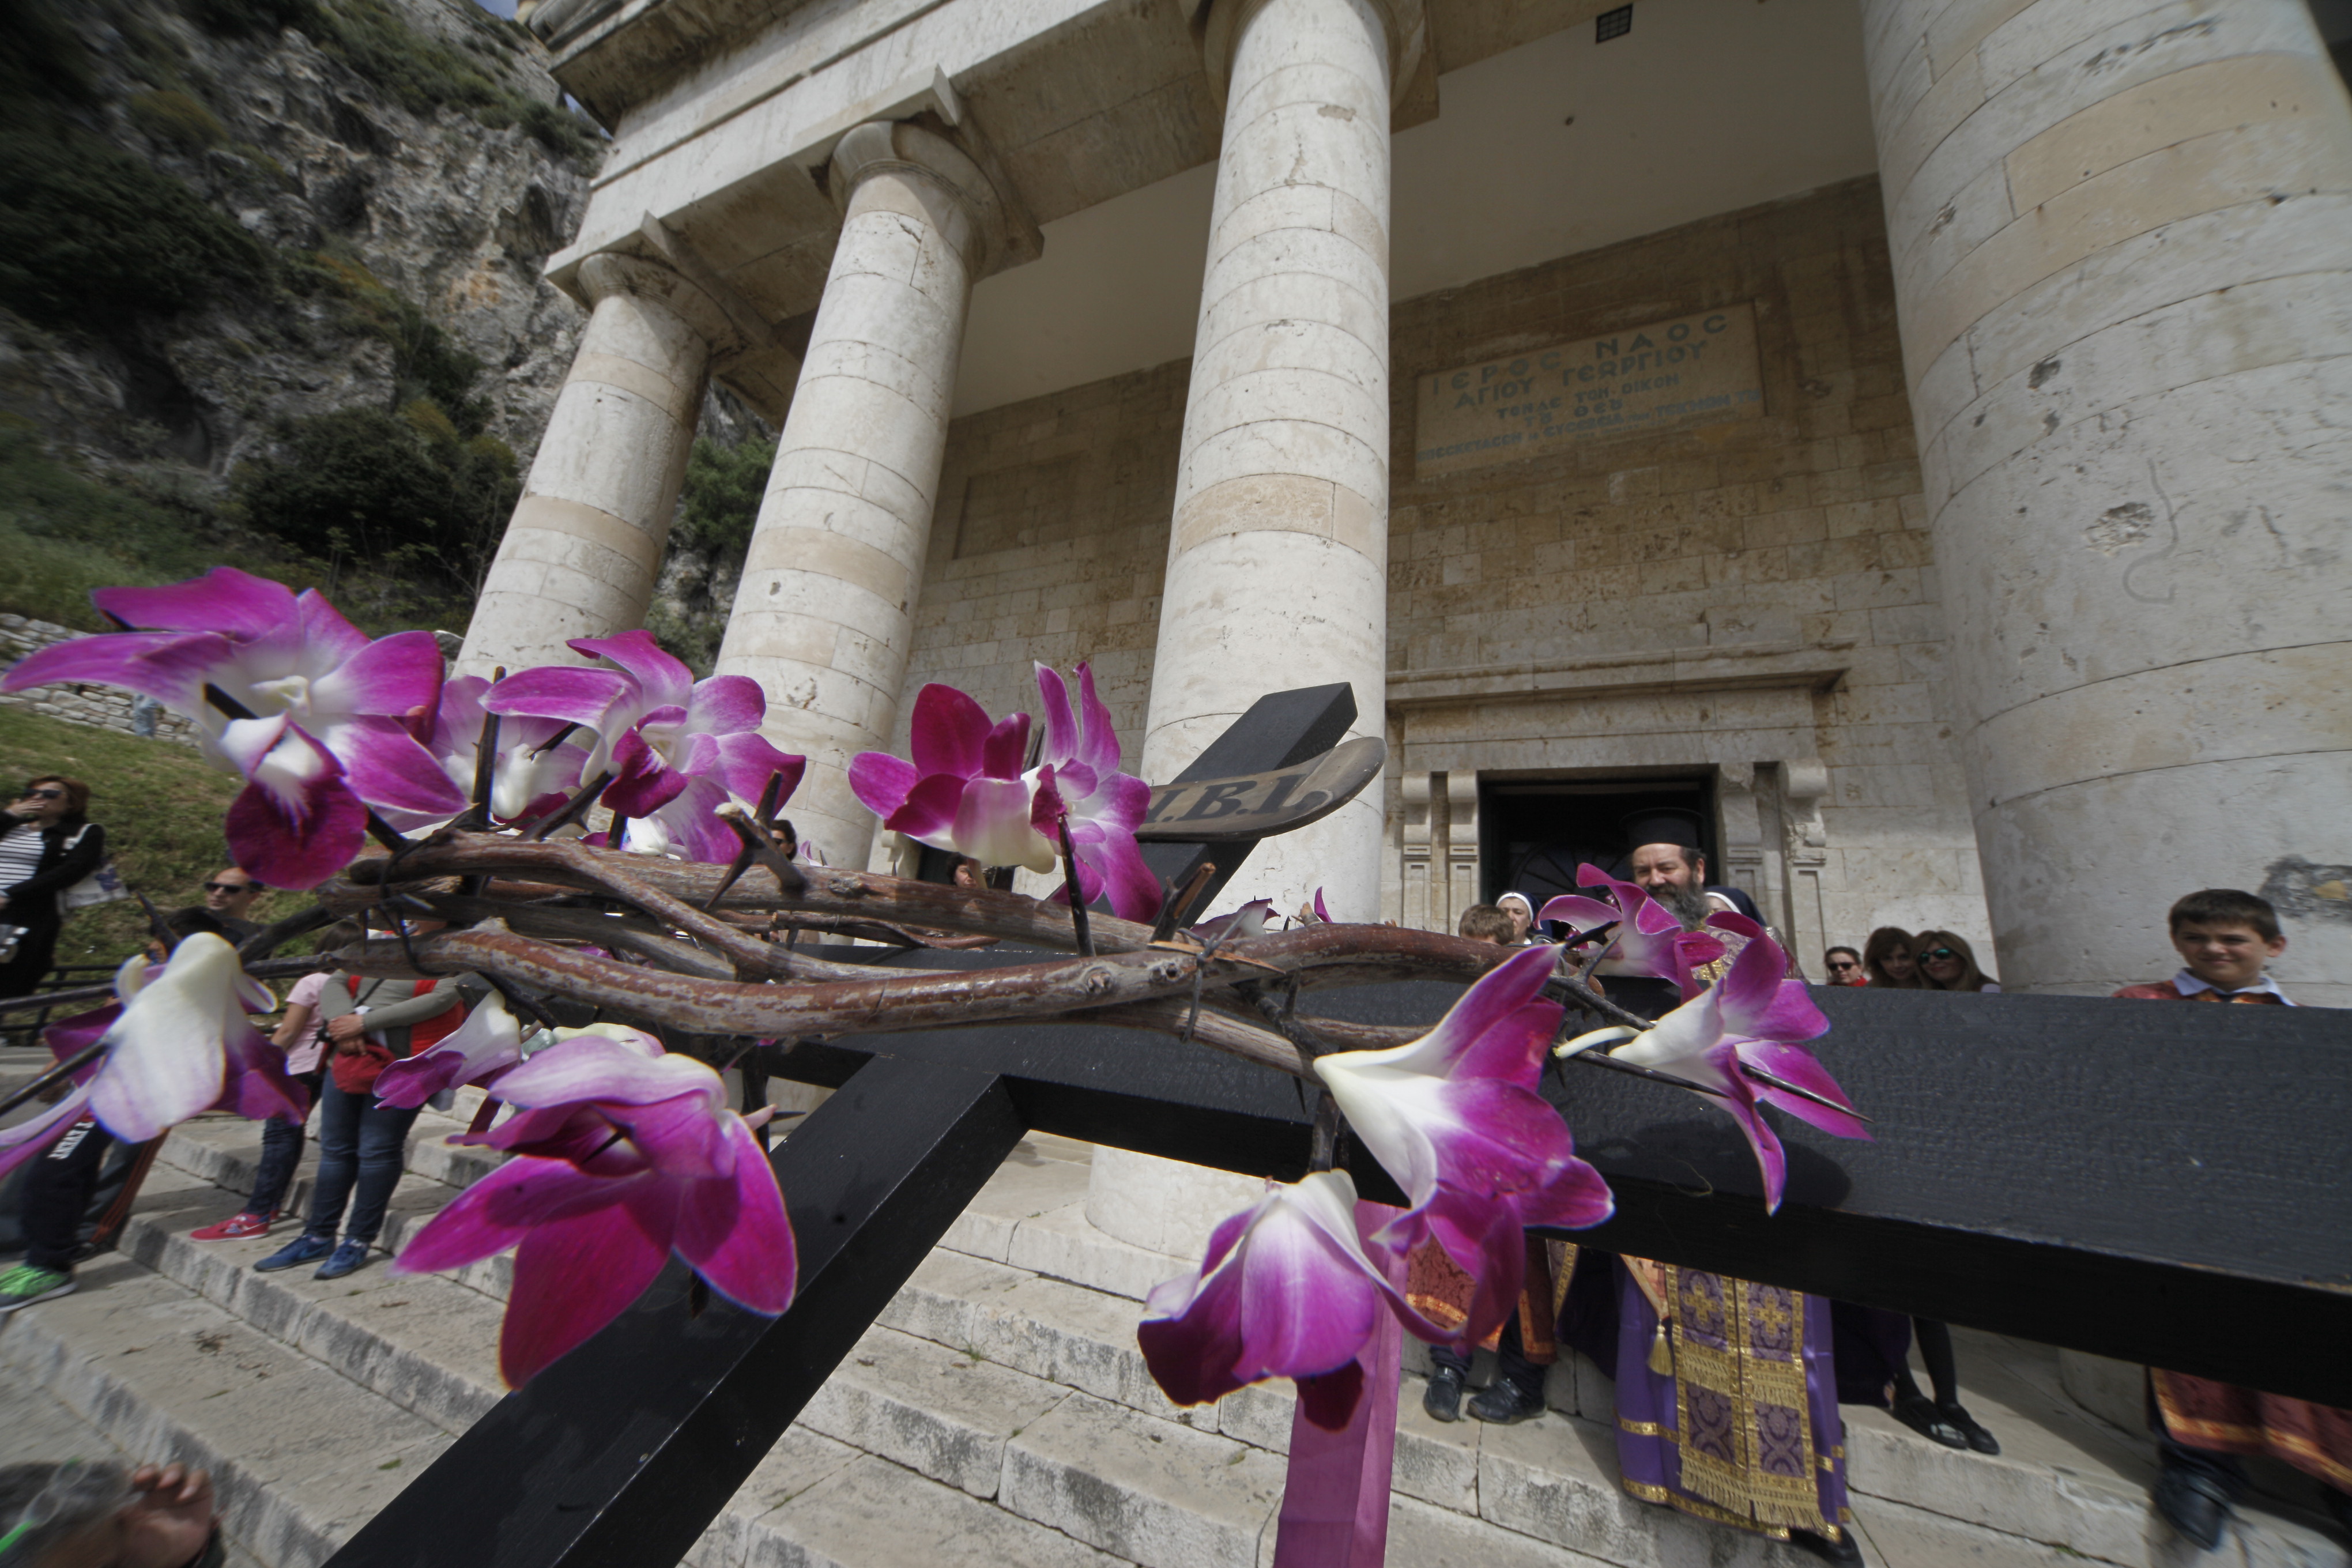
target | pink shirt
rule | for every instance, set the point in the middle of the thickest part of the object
(303, 1054)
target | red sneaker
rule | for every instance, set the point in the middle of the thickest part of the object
(236, 1227)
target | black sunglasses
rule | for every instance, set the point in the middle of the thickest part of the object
(45, 794)
(1939, 954)
(1844, 964)
(232, 887)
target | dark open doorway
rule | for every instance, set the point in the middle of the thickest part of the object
(1534, 832)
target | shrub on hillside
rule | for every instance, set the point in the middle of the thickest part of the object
(176, 118)
(401, 492)
(89, 234)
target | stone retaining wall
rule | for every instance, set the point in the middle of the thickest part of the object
(104, 707)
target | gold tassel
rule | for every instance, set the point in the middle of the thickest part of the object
(1662, 1355)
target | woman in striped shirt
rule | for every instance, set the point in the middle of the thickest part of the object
(47, 843)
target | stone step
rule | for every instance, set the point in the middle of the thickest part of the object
(300, 1457)
(2065, 1478)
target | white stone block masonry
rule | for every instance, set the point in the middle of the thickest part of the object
(2118, 235)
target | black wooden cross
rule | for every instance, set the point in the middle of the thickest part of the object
(2155, 1183)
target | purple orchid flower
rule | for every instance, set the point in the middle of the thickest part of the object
(479, 1051)
(966, 790)
(537, 768)
(1752, 1015)
(178, 1043)
(679, 749)
(1290, 1287)
(1455, 1118)
(623, 1156)
(1649, 940)
(331, 733)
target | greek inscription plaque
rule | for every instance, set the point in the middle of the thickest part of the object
(1666, 375)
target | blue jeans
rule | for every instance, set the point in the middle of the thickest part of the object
(360, 1142)
(281, 1151)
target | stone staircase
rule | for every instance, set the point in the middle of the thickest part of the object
(998, 1412)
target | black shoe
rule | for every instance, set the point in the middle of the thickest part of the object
(1925, 1418)
(1443, 1400)
(1982, 1441)
(1505, 1402)
(1846, 1549)
(2194, 1504)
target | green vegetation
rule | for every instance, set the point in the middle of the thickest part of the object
(63, 534)
(404, 492)
(425, 361)
(716, 510)
(162, 807)
(90, 235)
(422, 72)
(177, 118)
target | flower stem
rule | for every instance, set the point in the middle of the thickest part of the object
(1079, 925)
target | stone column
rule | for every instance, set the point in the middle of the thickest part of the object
(825, 617)
(580, 557)
(1277, 558)
(2124, 293)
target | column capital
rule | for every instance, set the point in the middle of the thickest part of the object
(611, 272)
(974, 214)
(1405, 21)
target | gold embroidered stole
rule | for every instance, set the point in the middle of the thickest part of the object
(1745, 1425)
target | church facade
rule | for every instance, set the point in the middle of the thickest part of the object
(1907, 432)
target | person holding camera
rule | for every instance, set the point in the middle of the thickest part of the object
(47, 843)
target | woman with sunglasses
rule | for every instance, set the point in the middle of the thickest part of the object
(47, 843)
(1946, 962)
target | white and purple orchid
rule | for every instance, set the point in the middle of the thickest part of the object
(479, 1051)
(178, 1043)
(538, 765)
(679, 749)
(1752, 1015)
(1649, 940)
(967, 789)
(1454, 1117)
(1290, 1287)
(329, 734)
(623, 1156)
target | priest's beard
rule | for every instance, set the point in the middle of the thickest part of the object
(1687, 905)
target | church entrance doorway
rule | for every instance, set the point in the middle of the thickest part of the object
(1534, 832)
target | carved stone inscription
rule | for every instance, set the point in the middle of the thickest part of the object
(1666, 375)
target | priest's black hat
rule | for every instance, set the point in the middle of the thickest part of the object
(1663, 825)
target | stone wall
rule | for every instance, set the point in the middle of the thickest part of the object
(106, 707)
(1752, 602)
(1753, 597)
(1049, 545)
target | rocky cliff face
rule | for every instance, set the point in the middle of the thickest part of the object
(299, 136)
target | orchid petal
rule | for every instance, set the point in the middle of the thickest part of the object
(1007, 751)
(743, 1246)
(385, 765)
(572, 1276)
(644, 781)
(1098, 746)
(595, 1066)
(164, 1056)
(571, 693)
(1061, 724)
(991, 826)
(1759, 1001)
(725, 705)
(489, 1039)
(882, 783)
(222, 600)
(929, 812)
(391, 676)
(1579, 913)
(501, 1208)
(948, 732)
(170, 667)
(663, 679)
(1799, 1066)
